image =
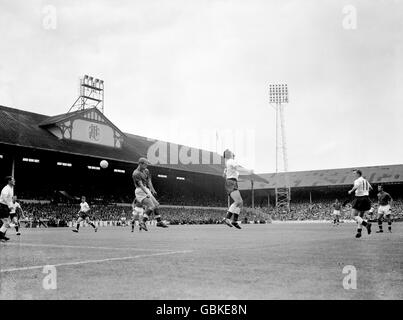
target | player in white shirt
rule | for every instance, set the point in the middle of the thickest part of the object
(231, 174)
(15, 213)
(6, 202)
(361, 202)
(83, 215)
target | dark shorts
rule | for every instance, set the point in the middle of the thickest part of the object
(14, 215)
(83, 215)
(231, 185)
(361, 203)
(4, 211)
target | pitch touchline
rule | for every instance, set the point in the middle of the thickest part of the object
(95, 261)
(81, 247)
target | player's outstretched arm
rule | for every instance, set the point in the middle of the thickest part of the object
(151, 186)
(242, 170)
(352, 190)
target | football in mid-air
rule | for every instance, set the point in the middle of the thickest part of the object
(104, 164)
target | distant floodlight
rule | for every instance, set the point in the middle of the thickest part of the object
(278, 93)
(91, 94)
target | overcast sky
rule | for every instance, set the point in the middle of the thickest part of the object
(177, 69)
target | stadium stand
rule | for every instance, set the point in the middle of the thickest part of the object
(34, 146)
(37, 131)
(331, 177)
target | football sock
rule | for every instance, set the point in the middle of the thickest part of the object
(156, 215)
(360, 220)
(389, 225)
(229, 215)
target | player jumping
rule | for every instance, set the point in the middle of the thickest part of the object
(384, 203)
(231, 174)
(145, 193)
(83, 215)
(361, 202)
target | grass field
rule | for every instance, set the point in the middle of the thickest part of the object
(274, 261)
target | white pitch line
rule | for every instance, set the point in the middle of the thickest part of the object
(95, 261)
(81, 247)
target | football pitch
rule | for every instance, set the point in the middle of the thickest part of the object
(273, 261)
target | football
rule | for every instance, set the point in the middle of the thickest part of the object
(104, 164)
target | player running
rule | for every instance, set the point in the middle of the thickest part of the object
(15, 214)
(231, 174)
(336, 212)
(6, 201)
(384, 204)
(83, 215)
(145, 193)
(361, 202)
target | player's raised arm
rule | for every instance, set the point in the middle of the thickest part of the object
(242, 170)
(235, 166)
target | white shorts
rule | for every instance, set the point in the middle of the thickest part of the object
(385, 210)
(336, 212)
(141, 195)
(137, 212)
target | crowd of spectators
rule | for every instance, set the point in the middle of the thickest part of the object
(60, 214)
(323, 210)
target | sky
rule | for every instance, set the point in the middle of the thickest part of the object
(184, 70)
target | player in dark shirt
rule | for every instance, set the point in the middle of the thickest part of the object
(336, 212)
(384, 212)
(145, 193)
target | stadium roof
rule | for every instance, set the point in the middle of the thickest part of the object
(28, 129)
(331, 177)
